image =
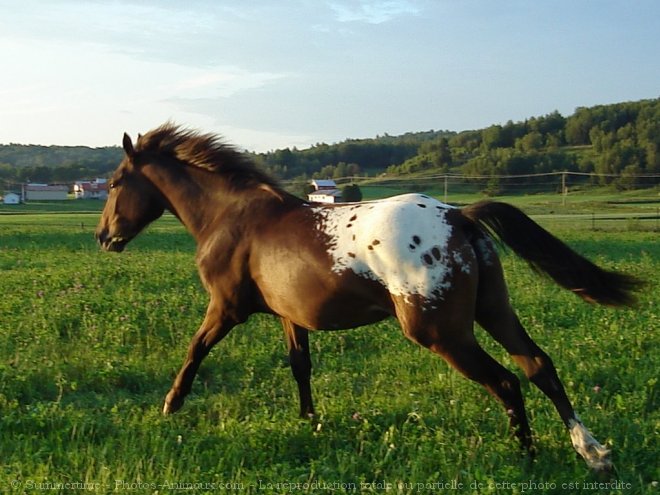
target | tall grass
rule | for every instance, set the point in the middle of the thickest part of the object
(90, 341)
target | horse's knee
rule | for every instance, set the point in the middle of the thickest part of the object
(544, 374)
(506, 387)
(197, 350)
(510, 382)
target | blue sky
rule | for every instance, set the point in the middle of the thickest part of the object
(272, 74)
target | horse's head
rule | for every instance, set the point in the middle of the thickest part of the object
(133, 202)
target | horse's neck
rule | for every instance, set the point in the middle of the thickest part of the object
(193, 196)
(198, 199)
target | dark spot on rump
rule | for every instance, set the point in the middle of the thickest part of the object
(412, 247)
(348, 226)
(416, 240)
(375, 242)
(426, 258)
(436, 253)
(353, 218)
(424, 196)
(370, 247)
(353, 236)
(351, 255)
(421, 205)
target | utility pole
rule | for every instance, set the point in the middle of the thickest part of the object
(445, 188)
(564, 191)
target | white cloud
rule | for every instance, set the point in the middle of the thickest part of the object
(261, 141)
(221, 82)
(373, 11)
(60, 85)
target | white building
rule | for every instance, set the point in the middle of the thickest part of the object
(325, 192)
(44, 192)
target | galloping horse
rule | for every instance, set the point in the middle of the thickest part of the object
(317, 266)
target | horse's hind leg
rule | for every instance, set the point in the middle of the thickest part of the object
(453, 339)
(538, 367)
(476, 364)
(496, 316)
(297, 340)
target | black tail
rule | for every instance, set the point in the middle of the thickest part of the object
(547, 254)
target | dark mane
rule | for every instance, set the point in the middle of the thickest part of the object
(207, 152)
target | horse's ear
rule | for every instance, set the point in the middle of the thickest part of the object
(271, 190)
(128, 146)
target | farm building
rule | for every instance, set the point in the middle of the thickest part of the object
(91, 189)
(44, 192)
(11, 198)
(325, 191)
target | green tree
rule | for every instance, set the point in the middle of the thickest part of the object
(578, 127)
(351, 193)
(302, 188)
(7, 172)
(530, 142)
(493, 137)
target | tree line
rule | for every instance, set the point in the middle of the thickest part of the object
(349, 158)
(621, 139)
(617, 140)
(56, 164)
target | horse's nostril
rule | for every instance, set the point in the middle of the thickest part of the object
(101, 236)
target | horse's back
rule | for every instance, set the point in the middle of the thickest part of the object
(412, 244)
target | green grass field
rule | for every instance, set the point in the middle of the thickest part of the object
(90, 342)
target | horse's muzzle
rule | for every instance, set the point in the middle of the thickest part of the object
(114, 243)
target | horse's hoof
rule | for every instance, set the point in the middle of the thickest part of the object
(307, 414)
(172, 404)
(601, 464)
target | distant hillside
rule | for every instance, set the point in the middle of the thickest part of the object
(617, 139)
(20, 163)
(348, 158)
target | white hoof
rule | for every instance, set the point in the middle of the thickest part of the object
(596, 455)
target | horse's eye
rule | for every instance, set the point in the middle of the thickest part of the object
(113, 184)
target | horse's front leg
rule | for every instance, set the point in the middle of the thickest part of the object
(297, 341)
(213, 329)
